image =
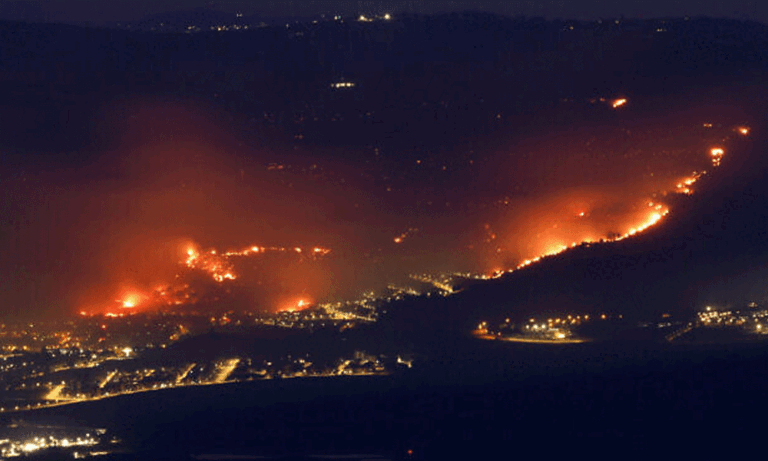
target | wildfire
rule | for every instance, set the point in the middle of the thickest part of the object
(684, 185)
(653, 218)
(216, 265)
(131, 300)
(219, 264)
(658, 213)
(400, 238)
(192, 256)
(295, 306)
(222, 277)
(257, 250)
(717, 155)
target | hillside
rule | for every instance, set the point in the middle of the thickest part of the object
(711, 249)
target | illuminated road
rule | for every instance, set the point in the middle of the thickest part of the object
(226, 370)
(107, 379)
(184, 373)
(55, 393)
(520, 339)
(63, 400)
(678, 333)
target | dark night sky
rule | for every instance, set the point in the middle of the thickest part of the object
(97, 11)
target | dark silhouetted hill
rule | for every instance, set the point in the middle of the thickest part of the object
(443, 74)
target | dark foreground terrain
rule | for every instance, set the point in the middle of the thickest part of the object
(603, 399)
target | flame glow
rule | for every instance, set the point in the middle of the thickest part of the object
(295, 305)
(131, 299)
(717, 155)
(401, 238)
(651, 219)
(217, 265)
(534, 193)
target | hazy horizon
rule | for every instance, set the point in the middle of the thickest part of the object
(98, 12)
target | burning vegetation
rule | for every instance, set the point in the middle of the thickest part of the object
(181, 175)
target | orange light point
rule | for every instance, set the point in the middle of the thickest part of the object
(618, 103)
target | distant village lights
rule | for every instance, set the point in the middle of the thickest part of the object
(364, 18)
(339, 85)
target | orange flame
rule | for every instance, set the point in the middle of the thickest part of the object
(618, 103)
(296, 305)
